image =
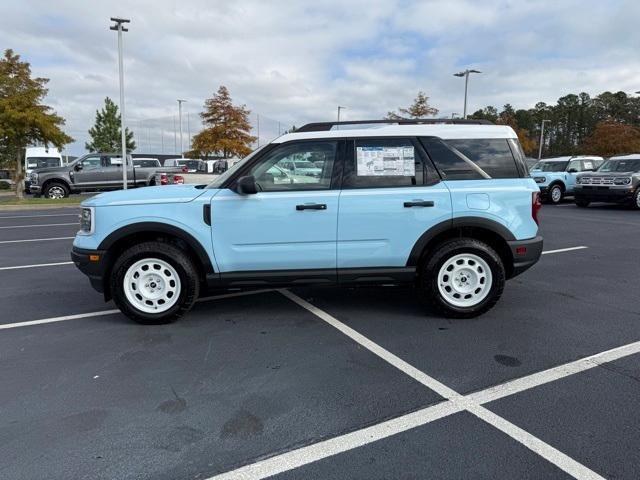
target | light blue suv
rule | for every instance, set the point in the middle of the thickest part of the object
(556, 177)
(445, 206)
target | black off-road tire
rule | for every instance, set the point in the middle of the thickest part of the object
(55, 187)
(428, 284)
(635, 203)
(550, 193)
(178, 259)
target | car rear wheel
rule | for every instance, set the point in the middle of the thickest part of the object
(462, 278)
(555, 194)
(581, 202)
(56, 191)
(154, 283)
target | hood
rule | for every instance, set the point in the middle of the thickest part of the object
(64, 168)
(146, 196)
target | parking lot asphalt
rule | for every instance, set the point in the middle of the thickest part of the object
(326, 382)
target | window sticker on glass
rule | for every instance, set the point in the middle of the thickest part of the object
(385, 161)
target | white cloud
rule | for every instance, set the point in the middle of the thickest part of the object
(296, 61)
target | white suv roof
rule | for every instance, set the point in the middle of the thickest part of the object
(630, 156)
(445, 131)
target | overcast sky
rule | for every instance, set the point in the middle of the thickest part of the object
(295, 61)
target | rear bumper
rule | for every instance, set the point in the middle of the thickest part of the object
(86, 262)
(525, 254)
(595, 193)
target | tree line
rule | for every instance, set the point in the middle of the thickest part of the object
(606, 125)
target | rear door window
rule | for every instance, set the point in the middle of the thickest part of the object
(472, 159)
(383, 162)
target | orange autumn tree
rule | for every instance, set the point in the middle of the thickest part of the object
(227, 128)
(612, 138)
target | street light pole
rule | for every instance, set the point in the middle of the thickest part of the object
(340, 108)
(180, 102)
(120, 28)
(541, 137)
(465, 74)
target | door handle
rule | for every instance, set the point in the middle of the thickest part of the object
(312, 206)
(419, 203)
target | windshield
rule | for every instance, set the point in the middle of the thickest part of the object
(631, 165)
(43, 162)
(551, 166)
(223, 178)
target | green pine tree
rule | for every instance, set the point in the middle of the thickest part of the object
(106, 133)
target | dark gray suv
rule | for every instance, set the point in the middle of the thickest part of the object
(616, 181)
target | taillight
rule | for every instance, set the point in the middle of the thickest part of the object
(185, 169)
(178, 180)
(536, 205)
(163, 179)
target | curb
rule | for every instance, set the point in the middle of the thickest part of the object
(13, 208)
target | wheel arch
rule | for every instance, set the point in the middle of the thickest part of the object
(489, 231)
(62, 181)
(558, 182)
(124, 237)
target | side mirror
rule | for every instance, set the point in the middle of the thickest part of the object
(77, 167)
(573, 170)
(247, 185)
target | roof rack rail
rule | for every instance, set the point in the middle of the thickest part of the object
(324, 126)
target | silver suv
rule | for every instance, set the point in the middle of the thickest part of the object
(616, 181)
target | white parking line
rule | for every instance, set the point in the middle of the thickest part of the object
(43, 225)
(37, 240)
(38, 265)
(297, 458)
(112, 311)
(560, 250)
(39, 216)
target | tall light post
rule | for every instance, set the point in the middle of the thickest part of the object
(120, 28)
(465, 74)
(180, 102)
(541, 137)
(340, 108)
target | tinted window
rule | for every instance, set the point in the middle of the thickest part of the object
(575, 165)
(90, 163)
(388, 162)
(632, 165)
(277, 172)
(43, 162)
(451, 165)
(493, 156)
(146, 163)
(551, 166)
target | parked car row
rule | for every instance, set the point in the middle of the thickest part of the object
(589, 179)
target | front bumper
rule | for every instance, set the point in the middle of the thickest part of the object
(598, 193)
(35, 189)
(93, 264)
(525, 254)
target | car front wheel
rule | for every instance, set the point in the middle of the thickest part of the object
(462, 278)
(555, 194)
(154, 283)
(56, 191)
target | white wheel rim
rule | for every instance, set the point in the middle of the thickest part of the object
(638, 198)
(556, 193)
(465, 280)
(56, 193)
(152, 285)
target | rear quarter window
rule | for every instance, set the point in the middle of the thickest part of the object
(468, 159)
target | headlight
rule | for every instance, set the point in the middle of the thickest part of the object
(621, 181)
(540, 179)
(87, 220)
(33, 177)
